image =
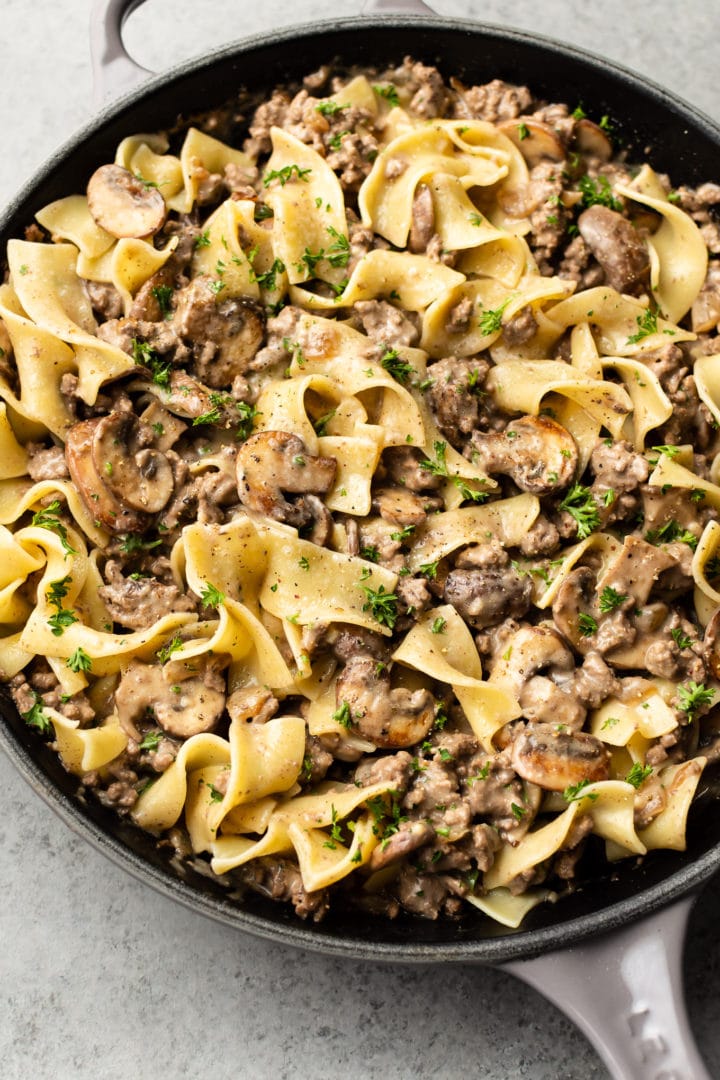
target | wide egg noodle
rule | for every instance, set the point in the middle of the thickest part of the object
(681, 253)
(451, 657)
(506, 520)
(199, 153)
(70, 219)
(146, 157)
(615, 319)
(707, 598)
(47, 286)
(126, 266)
(309, 210)
(668, 829)
(222, 258)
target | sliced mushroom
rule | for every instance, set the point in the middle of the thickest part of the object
(489, 594)
(105, 508)
(400, 506)
(230, 331)
(252, 704)
(529, 651)
(705, 312)
(410, 836)
(124, 205)
(393, 718)
(404, 468)
(618, 248)
(137, 475)
(184, 702)
(537, 453)
(146, 304)
(590, 139)
(635, 569)
(272, 462)
(535, 140)
(576, 598)
(423, 220)
(555, 760)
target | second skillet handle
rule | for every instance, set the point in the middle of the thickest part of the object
(625, 992)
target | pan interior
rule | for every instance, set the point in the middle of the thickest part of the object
(653, 127)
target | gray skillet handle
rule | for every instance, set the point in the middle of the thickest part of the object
(625, 992)
(397, 7)
(114, 70)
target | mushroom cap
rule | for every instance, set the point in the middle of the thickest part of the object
(140, 477)
(535, 139)
(272, 462)
(537, 453)
(100, 501)
(555, 760)
(123, 204)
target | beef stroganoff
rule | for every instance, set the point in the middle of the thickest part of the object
(359, 497)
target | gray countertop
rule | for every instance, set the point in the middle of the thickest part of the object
(100, 977)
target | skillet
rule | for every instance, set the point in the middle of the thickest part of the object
(682, 143)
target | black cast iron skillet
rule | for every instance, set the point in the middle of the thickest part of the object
(609, 955)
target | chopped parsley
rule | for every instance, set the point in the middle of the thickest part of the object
(211, 597)
(79, 661)
(247, 414)
(581, 505)
(370, 552)
(586, 624)
(400, 369)
(523, 131)
(382, 605)
(647, 324)
(163, 295)
(339, 251)
(145, 356)
(638, 774)
(681, 640)
(285, 174)
(342, 715)
(577, 791)
(37, 718)
(693, 697)
(598, 192)
(610, 599)
(330, 108)
(151, 740)
(322, 422)
(389, 93)
(429, 569)
(48, 519)
(130, 544)
(438, 625)
(491, 319)
(670, 532)
(168, 649)
(268, 278)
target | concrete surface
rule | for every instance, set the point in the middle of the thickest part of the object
(100, 977)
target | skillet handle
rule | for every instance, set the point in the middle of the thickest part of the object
(397, 7)
(114, 70)
(625, 992)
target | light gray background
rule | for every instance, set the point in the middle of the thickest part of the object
(101, 978)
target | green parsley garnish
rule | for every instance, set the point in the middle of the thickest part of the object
(523, 131)
(491, 319)
(145, 356)
(577, 791)
(438, 625)
(681, 640)
(581, 505)
(389, 93)
(47, 519)
(36, 717)
(586, 624)
(610, 599)
(693, 697)
(163, 295)
(671, 532)
(638, 774)
(598, 192)
(130, 544)
(339, 251)
(79, 661)
(400, 369)
(168, 649)
(382, 605)
(211, 597)
(330, 108)
(285, 174)
(342, 715)
(150, 741)
(647, 324)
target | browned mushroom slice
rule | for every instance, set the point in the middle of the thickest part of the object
(188, 397)
(231, 331)
(535, 140)
(534, 451)
(592, 140)
(123, 204)
(146, 304)
(705, 311)
(555, 760)
(423, 220)
(138, 476)
(617, 247)
(183, 706)
(272, 462)
(400, 506)
(102, 504)
(635, 569)
(393, 718)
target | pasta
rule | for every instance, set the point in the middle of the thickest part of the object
(358, 497)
